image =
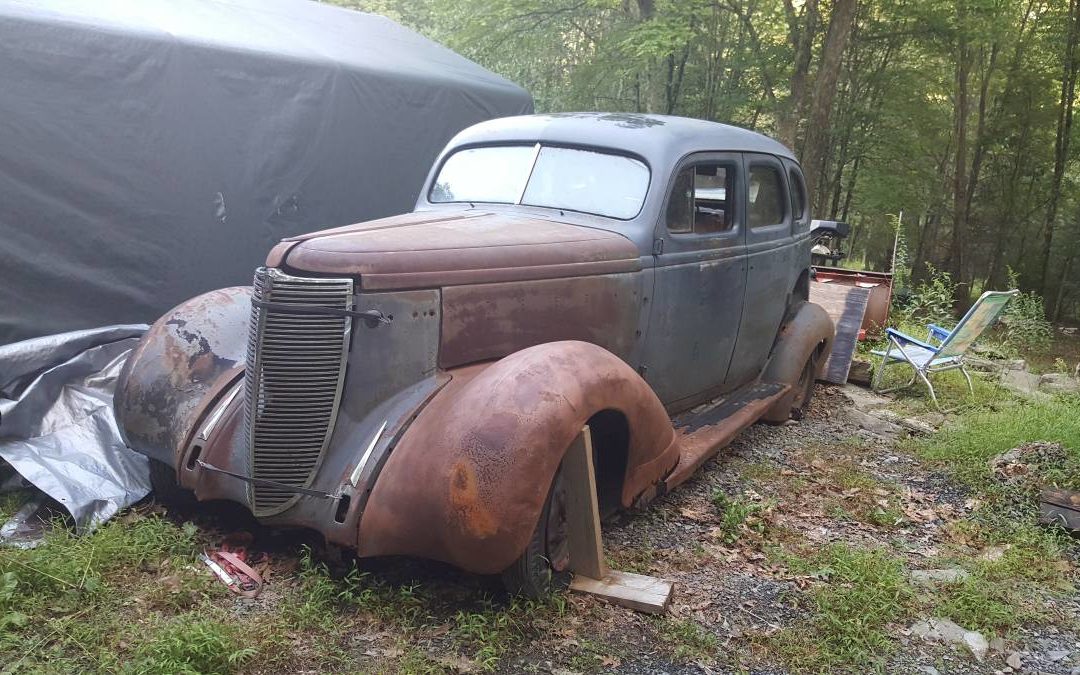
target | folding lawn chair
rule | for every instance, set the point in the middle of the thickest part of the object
(943, 349)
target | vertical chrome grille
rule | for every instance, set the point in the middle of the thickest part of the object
(295, 369)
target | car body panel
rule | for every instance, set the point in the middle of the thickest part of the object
(481, 247)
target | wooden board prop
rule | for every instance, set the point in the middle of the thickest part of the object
(591, 574)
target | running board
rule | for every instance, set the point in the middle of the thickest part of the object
(706, 431)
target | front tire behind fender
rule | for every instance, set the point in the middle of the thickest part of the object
(544, 567)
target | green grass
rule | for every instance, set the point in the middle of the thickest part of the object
(687, 641)
(191, 644)
(982, 433)
(864, 590)
(1005, 593)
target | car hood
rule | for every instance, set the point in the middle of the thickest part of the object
(425, 250)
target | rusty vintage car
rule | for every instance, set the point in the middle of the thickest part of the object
(408, 386)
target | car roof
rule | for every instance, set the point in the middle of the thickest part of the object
(660, 139)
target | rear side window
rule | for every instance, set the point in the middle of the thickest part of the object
(767, 197)
(798, 195)
(703, 200)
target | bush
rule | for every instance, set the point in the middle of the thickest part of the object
(1026, 327)
(931, 301)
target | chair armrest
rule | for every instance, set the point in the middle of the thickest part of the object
(901, 337)
(937, 332)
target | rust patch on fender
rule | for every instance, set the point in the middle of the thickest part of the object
(177, 369)
(465, 498)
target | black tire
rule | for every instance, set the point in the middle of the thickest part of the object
(166, 489)
(544, 567)
(804, 388)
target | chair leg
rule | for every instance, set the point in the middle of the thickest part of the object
(967, 376)
(879, 372)
(926, 381)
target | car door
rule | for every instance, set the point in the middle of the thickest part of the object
(770, 256)
(700, 269)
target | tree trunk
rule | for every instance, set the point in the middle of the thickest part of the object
(801, 35)
(817, 129)
(1061, 144)
(957, 253)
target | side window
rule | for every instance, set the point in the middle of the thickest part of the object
(798, 195)
(766, 196)
(702, 200)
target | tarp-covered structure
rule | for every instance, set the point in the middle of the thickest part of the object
(151, 150)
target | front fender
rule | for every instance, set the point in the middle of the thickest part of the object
(467, 482)
(186, 359)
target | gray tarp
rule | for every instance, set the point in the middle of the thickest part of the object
(56, 421)
(151, 150)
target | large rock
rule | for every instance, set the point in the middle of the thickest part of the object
(1022, 467)
(1022, 382)
(864, 399)
(1059, 383)
(945, 576)
(944, 630)
(873, 423)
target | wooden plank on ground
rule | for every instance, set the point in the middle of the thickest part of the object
(846, 306)
(1060, 507)
(636, 591)
(586, 547)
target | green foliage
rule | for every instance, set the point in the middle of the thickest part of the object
(931, 300)
(977, 603)
(69, 569)
(687, 640)
(901, 260)
(982, 433)
(1025, 320)
(738, 515)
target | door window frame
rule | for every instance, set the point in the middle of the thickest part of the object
(795, 177)
(775, 230)
(704, 240)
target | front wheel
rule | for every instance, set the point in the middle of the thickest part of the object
(166, 488)
(544, 567)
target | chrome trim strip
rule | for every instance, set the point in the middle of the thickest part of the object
(219, 410)
(355, 475)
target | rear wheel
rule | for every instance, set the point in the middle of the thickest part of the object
(804, 388)
(544, 567)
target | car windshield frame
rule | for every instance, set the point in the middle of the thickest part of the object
(536, 149)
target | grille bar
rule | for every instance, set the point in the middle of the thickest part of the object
(295, 372)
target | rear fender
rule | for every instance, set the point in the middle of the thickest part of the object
(807, 328)
(187, 359)
(467, 482)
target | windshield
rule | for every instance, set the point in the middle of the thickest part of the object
(561, 178)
